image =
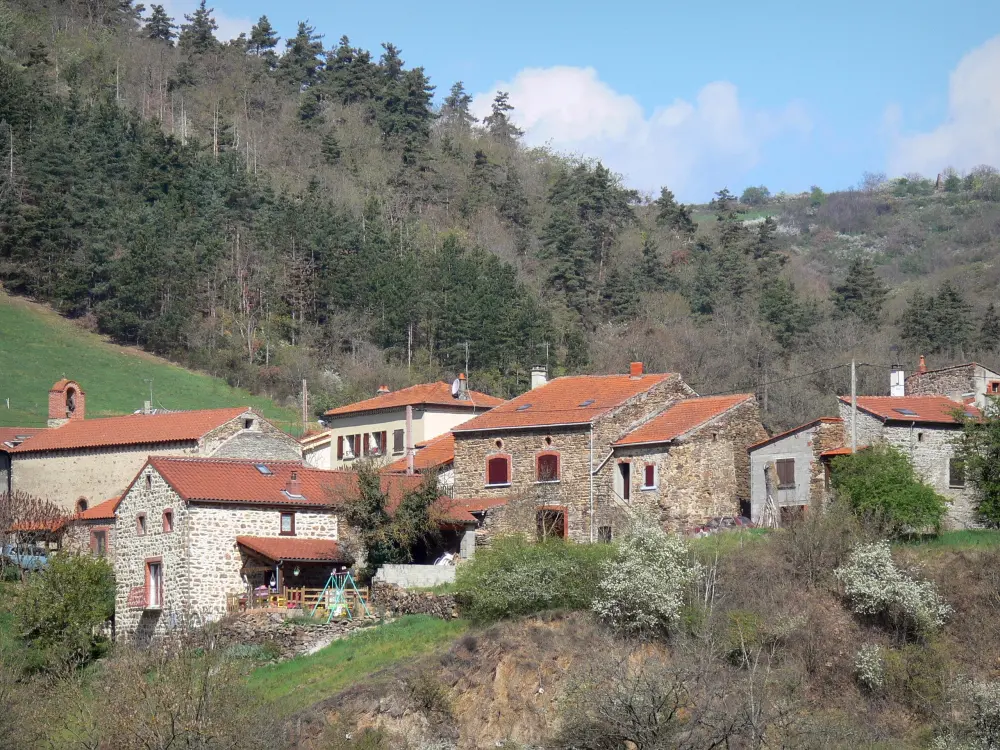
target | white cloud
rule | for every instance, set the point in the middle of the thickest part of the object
(230, 27)
(970, 135)
(693, 147)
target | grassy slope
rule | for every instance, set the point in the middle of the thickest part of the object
(301, 682)
(38, 347)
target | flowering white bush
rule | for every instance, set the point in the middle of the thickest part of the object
(980, 727)
(869, 667)
(875, 587)
(642, 589)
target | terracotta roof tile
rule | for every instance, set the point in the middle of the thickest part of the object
(11, 436)
(476, 504)
(426, 394)
(786, 433)
(433, 454)
(574, 400)
(101, 512)
(844, 451)
(927, 409)
(683, 417)
(132, 429)
(239, 480)
(293, 549)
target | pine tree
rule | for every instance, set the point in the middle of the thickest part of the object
(159, 25)
(498, 122)
(455, 110)
(672, 215)
(861, 294)
(331, 148)
(620, 296)
(953, 319)
(390, 63)
(198, 34)
(263, 40)
(300, 65)
(989, 330)
(652, 274)
(917, 323)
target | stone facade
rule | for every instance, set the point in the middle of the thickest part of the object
(704, 474)
(200, 560)
(930, 448)
(78, 537)
(970, 380)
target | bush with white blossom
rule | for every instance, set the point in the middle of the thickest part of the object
(869, 667)
(642, 589)
(876, 588)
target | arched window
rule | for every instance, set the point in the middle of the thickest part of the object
(81, 505)
(547, 467)
(497, 471)
(70, 400)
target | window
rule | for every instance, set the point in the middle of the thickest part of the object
(649, 477)
(498, 471)
(956, 473)
(140, 524)
(247, 424)
(397, 441)
(149, 481)
(348, 447)
(376, 444)
(154, 584)
(287, 524)
(786, 473)
(623, 481)
(99, 542)
(551, 523)
(993, 388)
(920, 437)
(263, 470)
(604, 534)
(547, 467)
(81, 505)
(168, 521)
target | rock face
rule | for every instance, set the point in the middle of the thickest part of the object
(284, 638)
(393, 600)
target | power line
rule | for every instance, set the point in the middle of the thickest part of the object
(781, 380)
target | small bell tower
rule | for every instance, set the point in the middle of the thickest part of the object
(66, 402)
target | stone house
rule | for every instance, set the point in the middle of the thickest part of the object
(393, 422)
(437, 454)
(967, 383)
(689, 463)
(79, 461)
(793, 468)
(925, 429)
(544, 460)
(10, 438)
(91, 531)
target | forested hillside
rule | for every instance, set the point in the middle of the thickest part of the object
(274, 209)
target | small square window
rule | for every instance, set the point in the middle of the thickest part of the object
(99, 542)
(247, 424)
(604, 534)
(287, 524)
(956, 473)
(140, 524)
(168, 521)
(786, 473)
(920, 437)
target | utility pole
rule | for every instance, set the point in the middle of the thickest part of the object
(854, 407)
(409, 348)
(466, 361)
(545, 345)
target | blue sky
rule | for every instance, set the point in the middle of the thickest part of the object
(701, 95)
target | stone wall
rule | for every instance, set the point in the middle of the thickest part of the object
(395, 601)
(826, 436)
(263, 441)
(286, 639)
(415, 576)
(76, 538)
(955, 383)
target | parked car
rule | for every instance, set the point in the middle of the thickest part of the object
(29, 557)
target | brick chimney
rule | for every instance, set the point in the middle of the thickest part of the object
(66, 401)
(382, 390)
(635, 370)
(294, 486)
(463, 387)
(923, 365)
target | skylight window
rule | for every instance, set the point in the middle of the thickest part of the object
(588, 402)
(906, 412)
(263, 470)
(524, 407)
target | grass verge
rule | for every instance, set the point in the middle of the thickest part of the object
(305, 680)
(966, 539)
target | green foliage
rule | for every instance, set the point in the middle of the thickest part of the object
(816, 196)
(60, 608)
(755, 196)
(862, 293)
(673, 215)
(917, 675)
(882, 488)
(263, 40)
(978, 449)
(942, 323)
(455, 110)
(299, 67)
(159, 25)
(517, 577)
(198, 34)
(498, 121)
(989, 330)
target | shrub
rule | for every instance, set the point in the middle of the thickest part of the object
(869, 668)
(917, 677)
(642, 588)
(62, 607)
(881, 487)
(877, 589)
(516, 577)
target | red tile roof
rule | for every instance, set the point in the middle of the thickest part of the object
(237, 480)
(101, 512)
(476, 504)
(845, 451)
(11, 435)
(426, 394)
(433, 454)
(926, 409)
(682, 417)
(293, 549)
(54, 524)
(574, 400)
(132, 429)
(786, 433)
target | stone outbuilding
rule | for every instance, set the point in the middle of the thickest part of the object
(545, 458)
(966, 383)
(689, 463)
(793, 468)
(78, 462)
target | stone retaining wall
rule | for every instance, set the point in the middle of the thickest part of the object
(416, 576)
(395, 601)
(287, 639)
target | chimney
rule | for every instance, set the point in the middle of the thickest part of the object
(897, 382)
(923, 365)
(382, 390)
(539, 376)
(294, 486)
(635, 370)
(463, 387)
(147, 407)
